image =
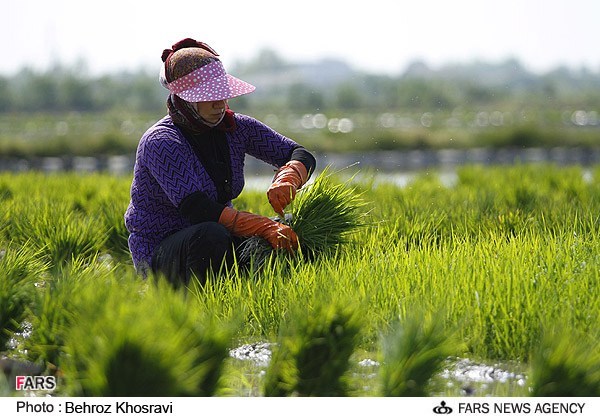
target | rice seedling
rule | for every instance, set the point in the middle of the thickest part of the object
(150, 344)
(313, 354)
(207, 336)
(111, 213)
(19, 271)
(566, 364)
(56, 307)
(59, 233)
(413, 353)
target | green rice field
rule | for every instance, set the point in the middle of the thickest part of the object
(496, 274)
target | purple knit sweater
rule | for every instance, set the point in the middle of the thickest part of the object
(167, 170)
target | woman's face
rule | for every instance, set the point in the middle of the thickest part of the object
(211, 111)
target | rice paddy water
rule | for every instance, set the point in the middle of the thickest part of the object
(489, 285)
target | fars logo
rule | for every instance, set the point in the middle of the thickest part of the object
(35, 383)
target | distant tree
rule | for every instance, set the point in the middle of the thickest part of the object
(106, 92)
(424, 94)
(381, 92)
(5, 95)
(284, 86)
(76, 93)
(348, 97)
(148, 94)
(478, 95)
(130, 91)
(40, 91)
(302, 97)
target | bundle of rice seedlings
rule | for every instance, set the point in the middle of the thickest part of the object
(61, 234)
(413, 353)
(313, 356)
(111, 212)
(561, 367)
(150, 344)
(19, 270)
(323, 215)
(56, 308)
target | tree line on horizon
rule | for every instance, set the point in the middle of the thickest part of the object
(324, 86)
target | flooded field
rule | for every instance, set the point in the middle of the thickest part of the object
(459, 377)
(485, 283)
(380, 161)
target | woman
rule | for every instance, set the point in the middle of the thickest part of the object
(189, 166)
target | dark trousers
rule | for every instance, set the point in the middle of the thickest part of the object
(194, 251)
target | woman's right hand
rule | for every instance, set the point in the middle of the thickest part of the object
(245, 224)
(281, 236)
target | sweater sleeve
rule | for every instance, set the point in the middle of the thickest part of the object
(170, 162)
(264, 143)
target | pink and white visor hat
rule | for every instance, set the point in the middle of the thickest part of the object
(209, 83)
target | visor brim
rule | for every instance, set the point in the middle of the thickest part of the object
(219, 88)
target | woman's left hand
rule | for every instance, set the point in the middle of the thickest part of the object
(280, 195)
(287, 181)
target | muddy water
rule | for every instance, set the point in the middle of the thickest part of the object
(464, 377)
(459, 376)
(385, 161)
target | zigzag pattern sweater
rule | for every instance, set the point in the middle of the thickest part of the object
(166, 171)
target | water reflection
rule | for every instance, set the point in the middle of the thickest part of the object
(379, 161)
(459, 376)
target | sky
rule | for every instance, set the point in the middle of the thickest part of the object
(377, 36)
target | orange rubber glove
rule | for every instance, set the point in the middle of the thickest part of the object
(245, 224)
(288, 179)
